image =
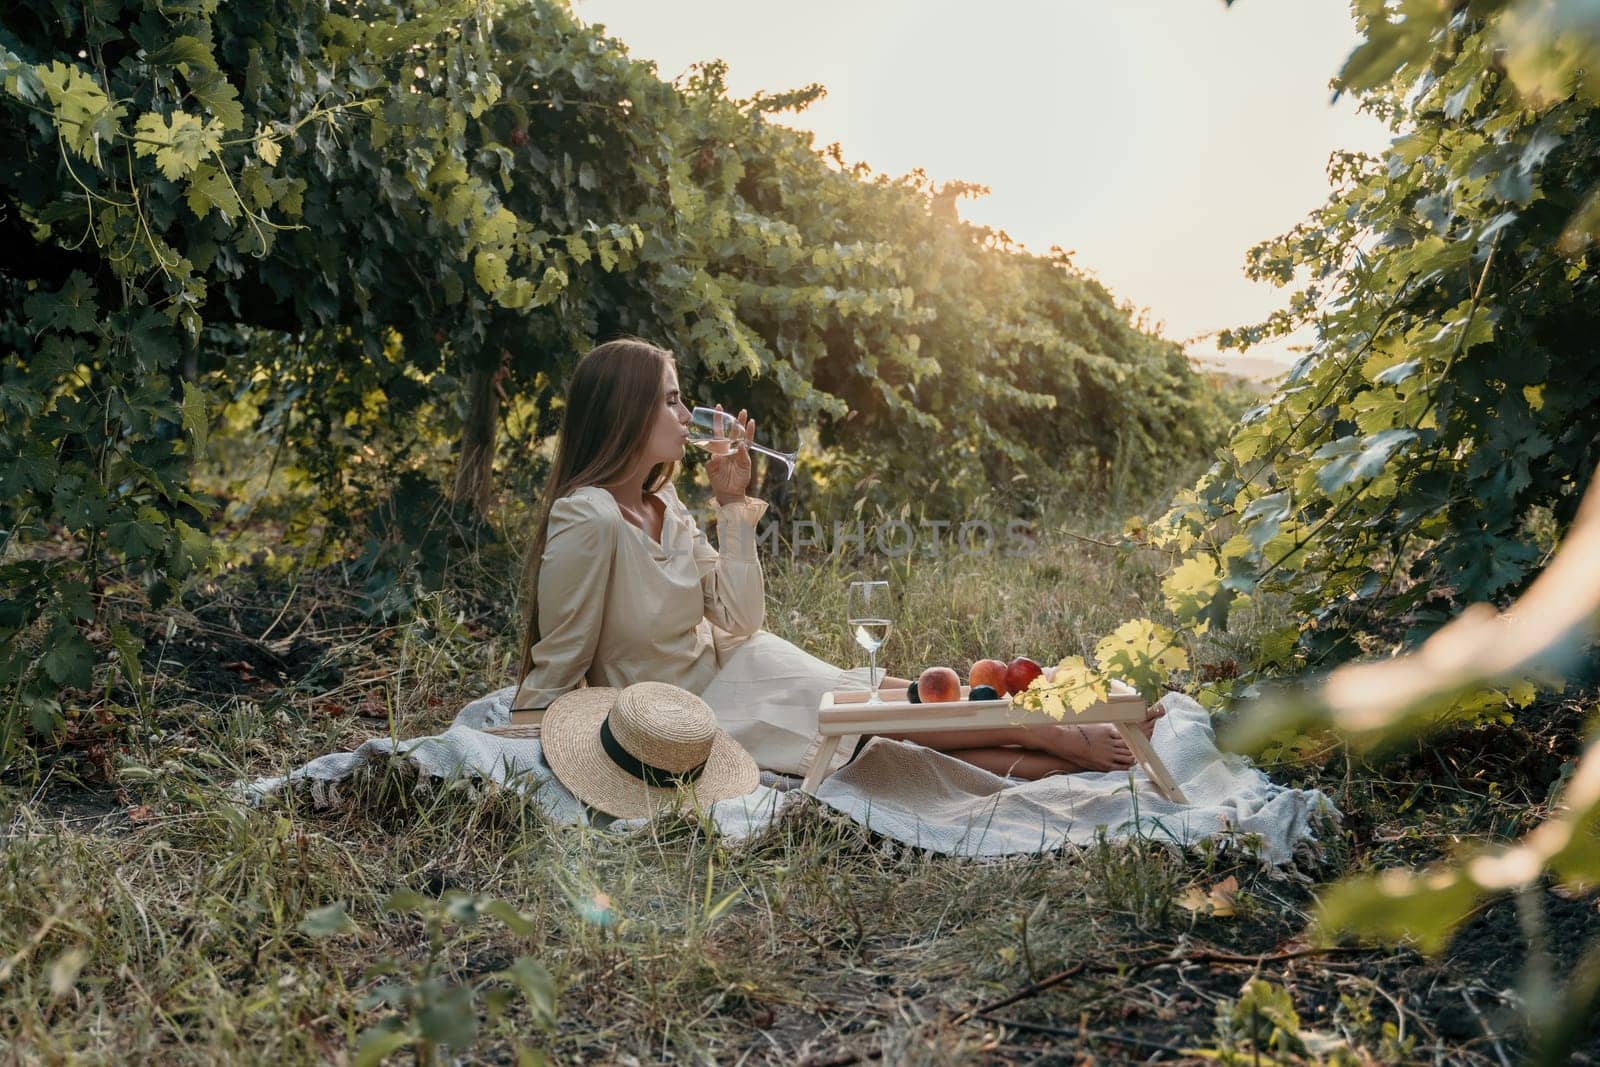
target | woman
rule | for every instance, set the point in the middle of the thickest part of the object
(621, 586)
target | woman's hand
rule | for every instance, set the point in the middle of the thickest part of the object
(730, 473)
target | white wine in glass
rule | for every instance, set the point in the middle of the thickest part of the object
(717, 433)
(869, 609)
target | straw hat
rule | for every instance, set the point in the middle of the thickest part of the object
(629, 751)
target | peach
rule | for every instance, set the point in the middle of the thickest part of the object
(1020, 672)
(989, 672)
(939, 684)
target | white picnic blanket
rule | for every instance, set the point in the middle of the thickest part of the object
(910, 793)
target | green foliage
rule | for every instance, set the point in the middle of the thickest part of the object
(1404, 468)
(429, 1011)
(358, 206)
(1263, 1019)
(1390, 481)
(1448, 412)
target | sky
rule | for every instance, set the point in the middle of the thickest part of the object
(1158, 140)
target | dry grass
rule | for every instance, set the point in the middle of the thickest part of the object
(145, 916)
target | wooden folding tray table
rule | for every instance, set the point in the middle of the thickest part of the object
(845, 713)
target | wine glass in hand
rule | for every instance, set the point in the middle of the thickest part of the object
(729, 468)
(870, 611)
(719, 433)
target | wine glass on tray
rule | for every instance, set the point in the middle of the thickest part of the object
(870, 612)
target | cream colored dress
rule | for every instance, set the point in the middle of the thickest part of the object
(617, 607)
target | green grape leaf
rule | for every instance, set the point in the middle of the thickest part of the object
(77, 600)
(19, 78)
(209, 188)
(221, 99)
(140, 536)
(1389, 46)
(80, 503)
(151, 336)
(460, 204)
(69, 661)
(1399, 372)
(74, 307)
(180, 142)
(551, 285)
(185, 52)
(498, 227)
(27, 471)
(517, 294)
(1141, 653)
(1484, 564)
(1353, 459)
(1263, 517)
(194, 550)
(1192, 586)
(268, 150)
(1278, 646)
(489, 269)
(84, 114)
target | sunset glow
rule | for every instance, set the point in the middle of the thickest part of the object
(1157, 139)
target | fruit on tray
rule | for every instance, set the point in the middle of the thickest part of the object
(912, 695)
(938, 684)
(983, 692)
(989, 672)
(1020, 672)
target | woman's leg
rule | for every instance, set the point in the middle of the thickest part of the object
(1032, 751)
(1091, 747)
(1064, 747)
(1014, 762)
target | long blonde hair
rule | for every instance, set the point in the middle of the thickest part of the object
(611, 404)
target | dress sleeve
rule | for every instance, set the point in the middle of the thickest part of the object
(731, 579)
(574, 573)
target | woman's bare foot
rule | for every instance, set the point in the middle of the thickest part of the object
(1092, 746)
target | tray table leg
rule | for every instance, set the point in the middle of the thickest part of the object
(820, 763)
(1145, 753)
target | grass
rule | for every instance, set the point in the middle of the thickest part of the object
(146, 916)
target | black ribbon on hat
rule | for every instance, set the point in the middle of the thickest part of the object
(659, 777)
